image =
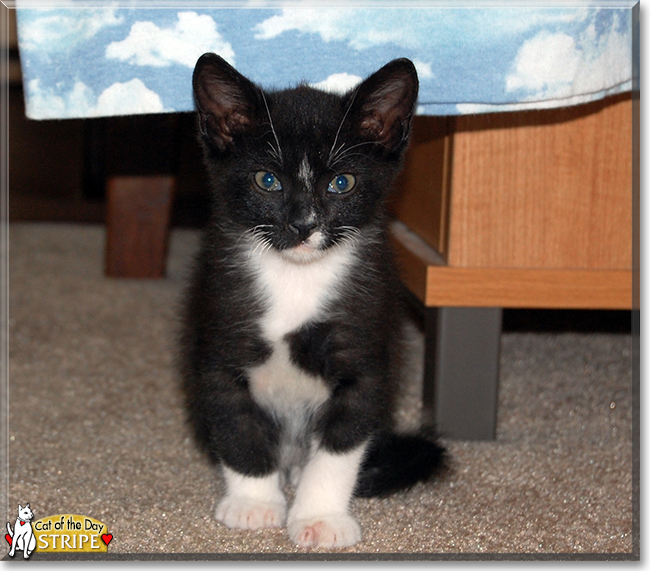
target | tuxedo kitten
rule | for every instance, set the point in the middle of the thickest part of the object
(291, 336)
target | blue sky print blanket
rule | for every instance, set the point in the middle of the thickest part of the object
(119, 60)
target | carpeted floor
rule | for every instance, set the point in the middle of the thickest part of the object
(96, 427)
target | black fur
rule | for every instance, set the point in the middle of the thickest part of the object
(394, 462)
(353, 348)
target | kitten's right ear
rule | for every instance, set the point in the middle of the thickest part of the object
(225, 99)
(385, 102)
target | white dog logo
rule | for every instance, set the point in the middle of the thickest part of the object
(22, 536)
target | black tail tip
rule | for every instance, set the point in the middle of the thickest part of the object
(397, 462)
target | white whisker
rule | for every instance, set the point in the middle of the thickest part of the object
(347, 236)
(345, 153)
(253, 232)
(261, 245)
(278, 151)
(336, 138)
(274, 152)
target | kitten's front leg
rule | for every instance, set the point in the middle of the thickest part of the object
(319, 516)
(244, 439)
(251, 502)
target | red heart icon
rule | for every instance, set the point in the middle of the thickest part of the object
(8, 538)
(107, 538)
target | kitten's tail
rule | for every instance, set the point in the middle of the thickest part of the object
(11, 531)
(396, 462)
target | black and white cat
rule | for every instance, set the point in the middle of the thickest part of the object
(291, 336)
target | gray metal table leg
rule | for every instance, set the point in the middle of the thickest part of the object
(461, 371)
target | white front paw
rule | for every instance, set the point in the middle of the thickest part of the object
(331, 531)
(243, 513)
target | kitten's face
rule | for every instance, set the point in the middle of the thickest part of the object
(302, 170)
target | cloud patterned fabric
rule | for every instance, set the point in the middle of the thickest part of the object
(123, 60)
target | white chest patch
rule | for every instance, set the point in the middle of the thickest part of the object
(296, 293)
(288, 392)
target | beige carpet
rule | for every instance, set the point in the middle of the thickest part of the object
(96, 427)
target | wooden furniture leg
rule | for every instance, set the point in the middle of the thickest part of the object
(138, 220)
(141, 154)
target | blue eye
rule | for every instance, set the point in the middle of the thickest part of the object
(267, 181)
(341, 184)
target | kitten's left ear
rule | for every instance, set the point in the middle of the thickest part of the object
(384, 103)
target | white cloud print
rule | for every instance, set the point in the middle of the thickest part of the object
(191, 36)
(423, 68)
(557, 66)
(51, 31)
(338, 83)
(364, 28)
(361, 28)
(552, 70)
(341, 83)
(323, 21)
(131, 97)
